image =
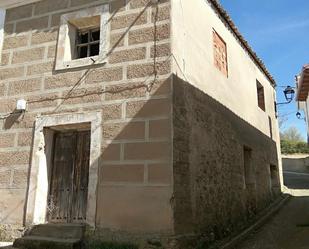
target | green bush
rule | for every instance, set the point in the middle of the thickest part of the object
(109, 245)
(292, 147)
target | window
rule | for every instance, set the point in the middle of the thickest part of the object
(88, 43)
(220, 53)
(260, 95)
(83, 38)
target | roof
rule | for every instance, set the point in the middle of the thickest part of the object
(303, 84)
(6, 4)
(222, 12)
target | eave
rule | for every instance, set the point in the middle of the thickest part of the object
(7, 4)
(303, 84)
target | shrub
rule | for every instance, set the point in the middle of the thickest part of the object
(292, 147)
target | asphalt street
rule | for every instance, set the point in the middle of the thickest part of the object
(288, 229)
(296, 180)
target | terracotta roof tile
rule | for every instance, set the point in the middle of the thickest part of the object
(222, 12)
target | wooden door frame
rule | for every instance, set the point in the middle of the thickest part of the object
(37, 193)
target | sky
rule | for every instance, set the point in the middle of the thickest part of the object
(278, 31)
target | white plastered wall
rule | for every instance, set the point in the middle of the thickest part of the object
(192, 48)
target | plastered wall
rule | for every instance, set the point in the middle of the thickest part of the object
(192, 26)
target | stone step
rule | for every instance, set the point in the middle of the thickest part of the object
(39, 242)
(59, 231)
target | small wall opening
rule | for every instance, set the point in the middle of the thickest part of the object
(274, 180)
(249, 182)
(260, 95)
(249, 178)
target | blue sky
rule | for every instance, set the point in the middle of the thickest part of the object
(278, 30)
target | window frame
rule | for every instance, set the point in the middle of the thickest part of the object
(66, 49)
(260, 87)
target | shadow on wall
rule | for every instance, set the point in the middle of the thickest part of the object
(225, 170)
(296, 171)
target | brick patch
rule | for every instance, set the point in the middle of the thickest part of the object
(125, 91)
(18, 13)
(144, 70)
(14, 158)
(41, 68)
(44, 36)
(127, 55)
(24, 139)
(32, 24)
(7, 140)
(161, 32)
(147, 109)
(159, 173)
(15, 42)
(147, 151)
(62, 80)
(128, 20)
(22, 86)
(43, 7)
(104, 75)
(119, 131)
(28, 55)
(122, 173)
(111, 152)
(160, 128)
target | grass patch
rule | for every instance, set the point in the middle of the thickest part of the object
(110, 245)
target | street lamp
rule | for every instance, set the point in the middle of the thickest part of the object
(289, 93)
(298, 115)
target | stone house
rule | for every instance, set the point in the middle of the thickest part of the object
(144, 118)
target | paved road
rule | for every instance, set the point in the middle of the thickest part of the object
(288, 229)
(296, 180)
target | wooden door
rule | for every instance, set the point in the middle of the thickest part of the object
(69, 180)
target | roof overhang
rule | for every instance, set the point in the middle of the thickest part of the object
(303, 84)
(7, 4)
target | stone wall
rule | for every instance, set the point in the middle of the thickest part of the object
(132, 91)
(210, 195)
(296, 163)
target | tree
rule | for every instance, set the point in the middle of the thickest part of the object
(292, 134)
(282, 120)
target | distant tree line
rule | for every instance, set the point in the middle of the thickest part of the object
(292, 142)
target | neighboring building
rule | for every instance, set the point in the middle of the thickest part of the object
(302, 94)
(143, 118)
